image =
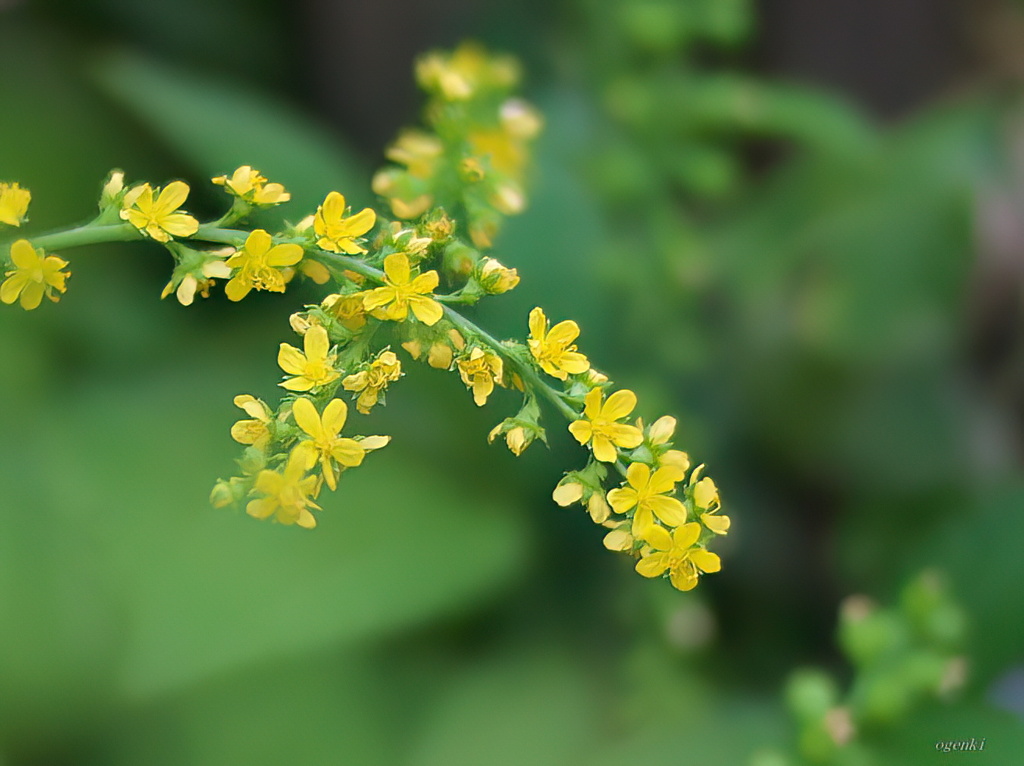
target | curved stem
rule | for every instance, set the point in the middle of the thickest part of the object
(87, 235)
(528, 373)
(211, 232)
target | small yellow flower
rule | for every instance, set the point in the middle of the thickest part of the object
(662, 430)
(288, 495)
(516, 437)
(599, 427)
(34, 276)
(248, 184)
(459, 75)
(347, 309)
(420, 152)
(371, 382)
(185, 286)
(311, 369)
(255, 432)
(159, 218)
(325, 444)
(553, 348)
(676, 553)
(480, 370)
(338, 233)
(705, 498)
(402, 292)
(648, 493)
(520, 120)
(439, 227)
(13, 203)
(258, 265)
(495, 278)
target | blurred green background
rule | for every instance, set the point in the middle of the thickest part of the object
(795, 225)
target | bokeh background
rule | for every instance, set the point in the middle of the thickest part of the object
(799, 226)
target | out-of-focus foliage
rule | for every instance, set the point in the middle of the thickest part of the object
(757, 255)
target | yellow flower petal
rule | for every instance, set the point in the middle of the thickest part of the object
(396, 266)
(619, 405)
(291, 360)
(307, 418)
(426, 310)
(568, 493)
(334, 417)
(653, 565)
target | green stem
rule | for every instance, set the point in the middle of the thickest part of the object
(87, 235)
(211, 232)
(528, 374)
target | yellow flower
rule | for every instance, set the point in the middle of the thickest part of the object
(324, 443)
(159, 218)
(338, 233)
(676, 553)
(258, 264)
(287, 494)
(662, 430)
(705, 498)
(372, 381)
(648, 493)
(347, 309)
(34, 276)
(480, 370)
(311, 369)
(553, 348)
(520, 119)
(249, 185)
(402, 292)
(599, 427)
(495, 278)
(13, 203)
(518, 439)
(256, 431)
(185, 286)
(459, 75)
(418, 151)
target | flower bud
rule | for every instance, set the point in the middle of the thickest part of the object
(497, 279)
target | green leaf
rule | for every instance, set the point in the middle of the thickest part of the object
(111, 557)
(532, 709)
(218, 125)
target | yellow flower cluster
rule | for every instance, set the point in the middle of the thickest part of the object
(249, 185)
(399, 283)
(651, 522)
(479, 135)
(287, 494)
(371, 383)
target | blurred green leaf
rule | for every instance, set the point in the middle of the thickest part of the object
(313, 709)
(218, 125)
(979, 549)
(116, 476)
(534, 709)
